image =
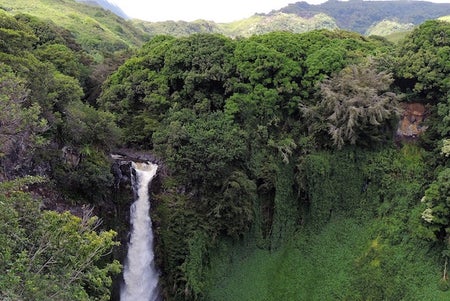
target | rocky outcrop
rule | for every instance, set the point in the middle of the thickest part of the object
(121, 165)
(412, 121)
(70, 156)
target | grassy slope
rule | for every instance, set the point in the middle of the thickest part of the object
(313, 267)
(277, 22)
(397, 36)
(319, 267)
(177, 29)
(240, 27)
(93, 27)
(388, 27)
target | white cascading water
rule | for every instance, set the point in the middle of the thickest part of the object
(140, 275)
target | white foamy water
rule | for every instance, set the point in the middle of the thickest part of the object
(140, 275)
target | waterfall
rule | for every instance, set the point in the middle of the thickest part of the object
(140, 275)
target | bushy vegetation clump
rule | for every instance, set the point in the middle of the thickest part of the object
(46, 254)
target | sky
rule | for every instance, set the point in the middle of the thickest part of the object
(220, 11)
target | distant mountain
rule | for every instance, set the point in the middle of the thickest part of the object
(366, 17)
(106, 5)
(257, 24)
(359, 15)
(177, 28)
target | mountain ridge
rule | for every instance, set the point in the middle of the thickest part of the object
(359, 15)
(366, 17)
(108, 6)
(116, 31)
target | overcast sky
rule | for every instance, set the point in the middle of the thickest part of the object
(190, 10)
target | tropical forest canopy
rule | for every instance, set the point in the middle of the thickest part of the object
(283, 173)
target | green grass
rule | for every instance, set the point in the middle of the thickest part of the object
(397, 36)
(94, 28)
(329, 265)
(312, 267)
(277, 22)
(387, 27)
(240, 27)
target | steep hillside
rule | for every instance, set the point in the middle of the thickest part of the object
(386, 28)
(44, 77)
(358, 15)
(260, 24)
(95, 28)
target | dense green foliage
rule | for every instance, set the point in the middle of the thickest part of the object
(43, 79)
(423, 60)
(226, 117)
(96, 29)
(277, 160)
(356, 104)
(46, 254)
(358, 242)
(247, 129)
(41, 87)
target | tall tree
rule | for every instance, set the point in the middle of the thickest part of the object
(21, 126)
(356, 105)
(424, 61)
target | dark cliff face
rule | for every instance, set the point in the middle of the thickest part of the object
(121, 167)
(118, 194)
(20, 161)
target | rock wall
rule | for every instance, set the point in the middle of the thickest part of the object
(412, 120)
